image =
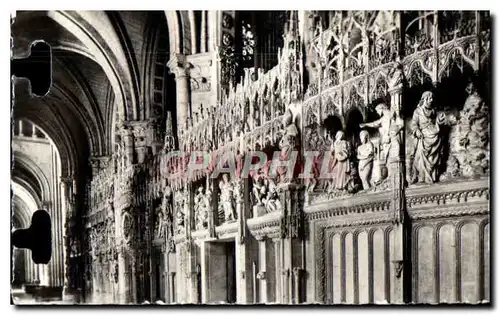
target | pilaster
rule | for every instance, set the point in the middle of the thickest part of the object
(400, 260)
(246, 248)
(67, 207)
(290, 273)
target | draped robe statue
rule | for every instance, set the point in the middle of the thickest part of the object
(428, 146)
(287, 145)
(384, 125)
(365, 157)
(227, 198)
(201, 210)
(341, 164)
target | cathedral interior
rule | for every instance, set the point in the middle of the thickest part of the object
(398, 100)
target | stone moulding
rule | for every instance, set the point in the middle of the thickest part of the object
(265, 226)
(200, 234)
(447, 193)
(227, 230)
(362, 203)
(464, 198)
(179, 238)
(452, 211)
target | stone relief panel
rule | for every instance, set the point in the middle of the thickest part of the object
(469, 139)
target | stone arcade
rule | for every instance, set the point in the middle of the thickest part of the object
(399, 102)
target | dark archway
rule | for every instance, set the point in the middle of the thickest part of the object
(332, 124)
(353, 119)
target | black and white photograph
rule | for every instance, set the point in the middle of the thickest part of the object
(212, 157)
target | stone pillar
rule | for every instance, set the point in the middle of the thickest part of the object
(192, 274)
(67, 208)
(128, 140)
(124, 233)
(189, 260)
(133, 279)
(205, 262)
(180, 68)
(290, 272)
(203, 41)
(171, 292)
(123, 278)
(399, 260)
(246, 254)
(265, 277)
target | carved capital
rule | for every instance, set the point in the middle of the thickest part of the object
(179, 66)
(139, 129)
(99, 162)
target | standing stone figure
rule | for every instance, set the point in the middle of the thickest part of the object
(259, 190)
(428, 147)
(200, 208)
(383, 124)
(272, 201)
(160, 223)
(342, 166)
(227, 198)
(181, 202)
(287, 145)
(365, 157)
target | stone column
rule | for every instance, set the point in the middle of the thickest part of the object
(205, 262)
(171, 292)
(189, 253)
(180, 68)
(246, 253)
(399, 260)
(123, 288)
(67, 208)
(203, 44)
(265, 277)
(292, 244)
(128, 140)
(124, 221)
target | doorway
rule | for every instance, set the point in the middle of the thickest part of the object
(221, 272)
(159, 274)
